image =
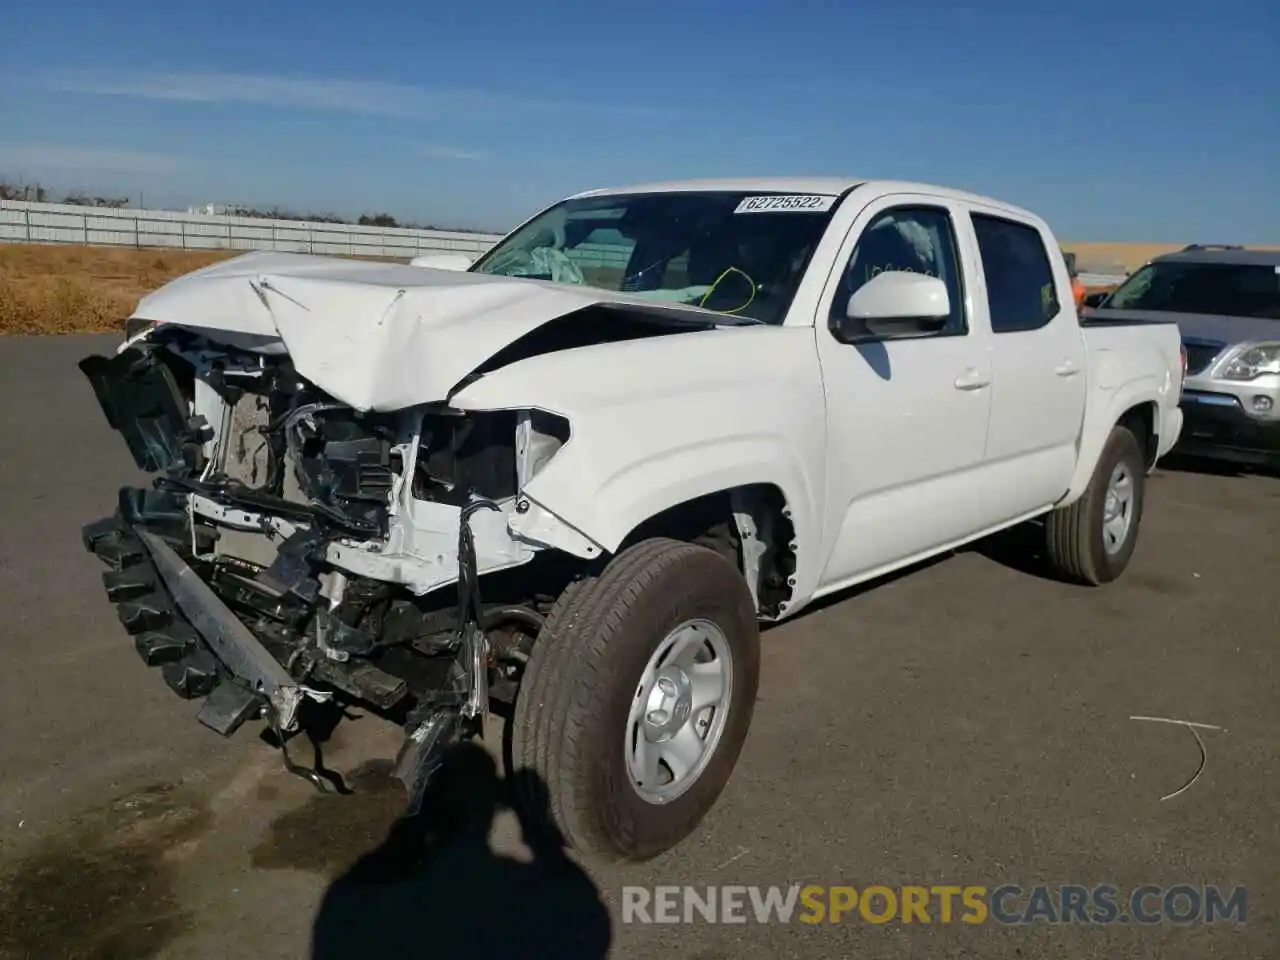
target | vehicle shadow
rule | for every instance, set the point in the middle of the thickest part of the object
(434, 888)
(1186, 463)
(866, 586)
(1020, 548)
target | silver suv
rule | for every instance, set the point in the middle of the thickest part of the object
(1226, 301)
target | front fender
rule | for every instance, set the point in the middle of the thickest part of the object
(657, 422)
(608, 507)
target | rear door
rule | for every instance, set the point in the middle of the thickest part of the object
(1037, 356)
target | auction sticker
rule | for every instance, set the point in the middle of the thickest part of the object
(787, 203)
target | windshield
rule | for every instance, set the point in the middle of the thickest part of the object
(737, 253)
(1223, 289)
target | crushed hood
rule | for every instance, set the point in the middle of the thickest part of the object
(376, 336)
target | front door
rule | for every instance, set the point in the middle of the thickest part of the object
(906, 418)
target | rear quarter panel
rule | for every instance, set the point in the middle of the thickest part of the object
(1129, 364)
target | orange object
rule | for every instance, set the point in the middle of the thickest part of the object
(1078, 291)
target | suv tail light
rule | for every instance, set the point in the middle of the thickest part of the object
(1182, 352)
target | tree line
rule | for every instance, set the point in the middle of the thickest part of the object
(37, 193)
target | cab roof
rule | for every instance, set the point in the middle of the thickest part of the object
(805, 185)
(820, 185)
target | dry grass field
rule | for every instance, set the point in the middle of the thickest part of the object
(55, 288)
(1102, 256)
(81, 289)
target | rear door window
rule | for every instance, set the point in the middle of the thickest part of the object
(1021, 291)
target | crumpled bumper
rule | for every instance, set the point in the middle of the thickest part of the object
(179, 624)
(204, 650)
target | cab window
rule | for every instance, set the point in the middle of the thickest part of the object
(912, 239)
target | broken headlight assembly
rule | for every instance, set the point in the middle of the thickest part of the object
(136, 328)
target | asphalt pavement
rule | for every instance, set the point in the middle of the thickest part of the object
(968, 723)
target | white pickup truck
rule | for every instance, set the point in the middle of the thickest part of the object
(565, 483)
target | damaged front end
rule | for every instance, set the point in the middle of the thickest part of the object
(292, 549)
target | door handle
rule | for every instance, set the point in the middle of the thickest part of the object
(1066, 369)
(971, 380)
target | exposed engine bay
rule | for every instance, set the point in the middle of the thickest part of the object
(312, 545)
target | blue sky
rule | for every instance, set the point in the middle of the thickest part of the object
(1116, 121)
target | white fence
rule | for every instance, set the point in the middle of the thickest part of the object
(23, 221)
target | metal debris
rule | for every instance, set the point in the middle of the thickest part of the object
(1204, 755)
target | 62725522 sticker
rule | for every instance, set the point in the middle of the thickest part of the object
(786, 203)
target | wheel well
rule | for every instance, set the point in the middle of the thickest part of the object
(1141, 421)
(718, 521)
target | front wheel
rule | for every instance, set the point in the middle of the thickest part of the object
(1092, 540)
(637, 698)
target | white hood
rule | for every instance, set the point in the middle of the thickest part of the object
(373, 335)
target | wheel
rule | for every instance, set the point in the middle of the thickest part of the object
(636, 700)
(1092, 540)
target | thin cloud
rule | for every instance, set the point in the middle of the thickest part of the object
(73, 159)
(453, 153)
(368, 97)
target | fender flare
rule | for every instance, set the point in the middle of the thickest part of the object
(605, 512)
(1100, 420)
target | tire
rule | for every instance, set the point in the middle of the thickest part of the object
(569, 732)
(1077, 547)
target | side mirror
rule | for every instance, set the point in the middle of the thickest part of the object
(1095, 299)
(895, 305)
(442, 261)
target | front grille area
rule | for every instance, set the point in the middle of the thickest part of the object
(1200, 353)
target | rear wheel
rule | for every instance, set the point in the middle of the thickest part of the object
(637, 698)
(1092, 540)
